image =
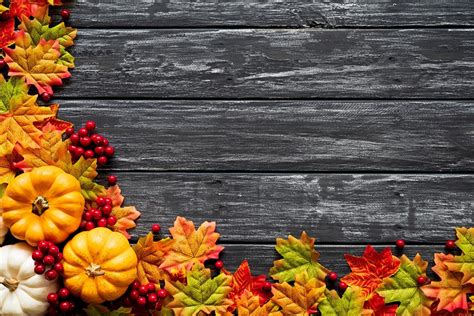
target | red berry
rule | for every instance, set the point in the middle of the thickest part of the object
(48, 260)
(64, 293)
(100, 201)
(58, 267)
(52, 298)
(65, 306)
(102, 222)
(109, 151)
(90, 226)
(342, 286)
(85, 141)
(83, 132)
(450, 245)
(43, 245)
(74, 139)
(141, 301)
(108, 201)
(162, 293)
(267, 286)
(87, 216)
(102, 160)
(53, 250)
(111, 221)
(59, 257)
(143, 289)
(332, 276)
(88, 154)
(219, 264)
(105, 142)
(90, 125)
(135, 285)
(400, 243)
(65, 14)
(37, 255)
(96, 214)
(106, 209)
(134, 295)
(70, 131)
(72, 149)
(112, 180)
(79, 152)
(155, 228)
(152, 298)
(421, 280)
(98, 139)
(51, 275)
(46, 97)
(151, 287)
(3, 64)
(99, 150)
(39, 269)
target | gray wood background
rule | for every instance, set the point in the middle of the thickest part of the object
(352, 120)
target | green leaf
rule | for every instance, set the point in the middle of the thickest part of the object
(99, 310)
(200, 293)
(298, 256)
(465, 262)
(403, 288)
(13, 88)
(350, 304)
(85, 170)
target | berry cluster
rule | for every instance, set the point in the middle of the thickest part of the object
(99, 216)
(332, 279)
(60, 302)
(145, 296)
(89, 144)
(47, 255)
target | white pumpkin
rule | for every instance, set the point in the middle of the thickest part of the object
(22, 291)
(3, 230)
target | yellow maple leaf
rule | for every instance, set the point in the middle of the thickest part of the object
(191, 246)
(248, 304)
(7, 172)
(37, 65)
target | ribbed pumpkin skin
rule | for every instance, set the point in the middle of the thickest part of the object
(108, 250)
(62, 192)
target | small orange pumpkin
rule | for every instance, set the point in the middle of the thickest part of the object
(99, 265)
(44, 204)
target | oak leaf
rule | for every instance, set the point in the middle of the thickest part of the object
(300, 299)
(126, 216)
(201, 293)
(191, 246)
(298, 256)
(150, 255)
(403, 287)
(36, 64)
(369, 270)
(350, 304)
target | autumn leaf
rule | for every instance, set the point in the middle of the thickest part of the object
(377, 305)
(369, 270)
(37, 65)
(465, 262)
(403, 288)
(302, 298)
(201, 293)
(350, 304)
(126, 216)
(85, 170)
(11, 90)
(8, 165)
(249, 305)
(150, 255)
(298, 256)
(450, 291)
(100, 310)
(191, 246)
(2, 7)
(7, 32)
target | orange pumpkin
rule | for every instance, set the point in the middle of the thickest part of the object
(99, 265)
(44, 204)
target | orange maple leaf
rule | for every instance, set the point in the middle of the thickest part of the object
(191, 246)
(126, 216)
(369, 270)
(26, 7)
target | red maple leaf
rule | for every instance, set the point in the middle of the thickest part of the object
(377, 304)
(243, 280)
(7, 32)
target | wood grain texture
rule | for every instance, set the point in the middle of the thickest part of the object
(283, 63)
(268, 13)
(338, 208)
(284, 135)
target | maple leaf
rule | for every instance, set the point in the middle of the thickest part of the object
(11, 90)
(126, 216)
(191, 246)
(7, 32)
(100, 310)
(2, 7)
(8, 165)
(369, 270)
(249, 305)
(201, 293)
(302, 298)
(350, 304)
(85, 170)
(37, 65)
(465, 262)
(298, 256)
(377, 305)
(39, 28)
(450, 291)
(150, 255)
(403, 288)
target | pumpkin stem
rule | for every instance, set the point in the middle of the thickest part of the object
(94, 270)
(10, 283)
(40, 204)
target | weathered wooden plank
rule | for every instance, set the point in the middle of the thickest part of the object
(261, 257)
(283, 63)
(347, 208)
(284, 135)
(292, 13)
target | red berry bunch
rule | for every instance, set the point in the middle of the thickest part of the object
(87, 143)
(145, 296)
(99, 216)
(60, 302)
(47, 255)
